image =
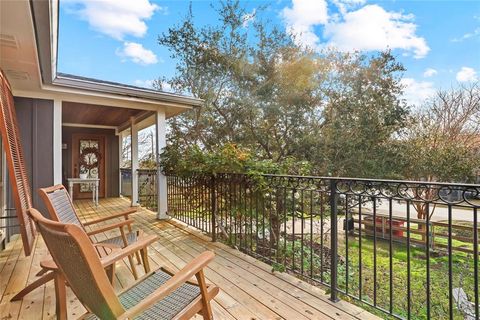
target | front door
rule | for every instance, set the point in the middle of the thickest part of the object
(88, 159)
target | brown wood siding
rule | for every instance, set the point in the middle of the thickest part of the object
(111, 150)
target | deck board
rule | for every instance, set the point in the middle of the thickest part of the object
(248, 288)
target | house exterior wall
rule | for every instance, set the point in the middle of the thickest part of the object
(35, 121)
(112, 165)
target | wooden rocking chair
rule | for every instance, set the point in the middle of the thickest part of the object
(61, 209)
(158, 295)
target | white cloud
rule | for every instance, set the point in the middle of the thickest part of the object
(166, 87)
(466, 74)
(345, 5)
(137, 53)
(429, 72)
(116, 18)
(301, 18)
(144, 83)
(367, 28)
(468, 35)
(373, 28)
(150, 84)
(416, 92)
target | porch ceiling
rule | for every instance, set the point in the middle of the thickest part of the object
(91, 114)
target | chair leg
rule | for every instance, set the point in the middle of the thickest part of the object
(132, 265)
(206, 308)
(111, 273)
(146, 263)
(61, 297)
(42, 272)
(130, 257)
(139, 260)
(32, 286)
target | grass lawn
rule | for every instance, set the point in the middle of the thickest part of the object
(462, 276)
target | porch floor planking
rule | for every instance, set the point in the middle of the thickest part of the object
(248, 288)
(175, 262)
(304, 300)
(204, 243)
(33, 303)
(277, 296)
(7, 275)
(276, 300)
(303, 290)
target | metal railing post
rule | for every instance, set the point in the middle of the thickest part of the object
(333, 241)
(137, 175)
(214, 208)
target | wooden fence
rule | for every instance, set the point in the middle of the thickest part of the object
(438, 231)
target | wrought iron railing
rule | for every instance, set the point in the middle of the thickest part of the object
(190, 200)
(126, 182)
(362, 238)
(147, 188)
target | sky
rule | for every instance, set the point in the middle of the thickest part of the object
(437, 41)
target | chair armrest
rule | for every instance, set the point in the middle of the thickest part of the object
(125, 214)
(48, 265)
(119, 254)
(171, 272)
(104, 249)
(181, 277)
(110, 227)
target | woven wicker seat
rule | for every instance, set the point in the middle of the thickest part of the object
(164, 309)
(119, 242)
(158, 295)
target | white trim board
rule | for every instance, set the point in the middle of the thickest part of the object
(57, 142)
(86, 125)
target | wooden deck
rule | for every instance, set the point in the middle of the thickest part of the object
(248, 288)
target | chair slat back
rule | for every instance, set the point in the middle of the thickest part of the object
(76, 257)
(16, 164)
(59, 205)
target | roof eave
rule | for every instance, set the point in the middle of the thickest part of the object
(118, 89)
(42, 14)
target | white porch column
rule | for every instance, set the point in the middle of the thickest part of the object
(57, 141)
(161, 130)
(134, 157)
